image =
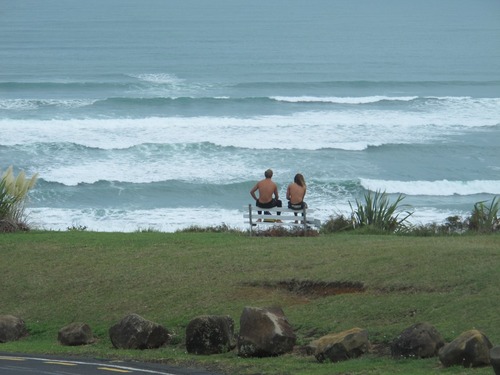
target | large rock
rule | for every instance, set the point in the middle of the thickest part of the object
(421, 340)
(135, 332)
(12, 328)
(495, 359)
(470, 349)
(75, 334)
(264, 333)
(341, 346)
(210, 334)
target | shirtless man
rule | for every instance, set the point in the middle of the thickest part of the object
(267, 188)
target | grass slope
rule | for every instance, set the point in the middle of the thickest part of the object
(53, 278)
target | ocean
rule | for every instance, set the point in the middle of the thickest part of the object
(162, 114)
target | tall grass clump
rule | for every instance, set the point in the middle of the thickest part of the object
(484, 219)
(13, 196)
(379, 214)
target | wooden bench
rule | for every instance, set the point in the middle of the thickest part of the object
(287, 217)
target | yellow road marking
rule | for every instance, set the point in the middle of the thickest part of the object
(12, 358)
(59, 363)
(112, 369)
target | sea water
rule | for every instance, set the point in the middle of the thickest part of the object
(163, 114)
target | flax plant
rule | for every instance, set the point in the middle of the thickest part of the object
(379, 213)
(485, 219)
(13, 196)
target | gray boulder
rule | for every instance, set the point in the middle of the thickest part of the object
(75, 334)
(210, 334)
(341, 346)
(495, 359)
(264, 333)
(12, 328)
(470, 349)
(135, 332)
(421, 340)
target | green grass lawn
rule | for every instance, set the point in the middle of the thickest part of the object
(51, 279)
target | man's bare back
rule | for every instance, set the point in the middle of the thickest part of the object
(267, 188)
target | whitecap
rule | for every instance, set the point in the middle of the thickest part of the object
(341, 100)
(433, 188)
(159, 78)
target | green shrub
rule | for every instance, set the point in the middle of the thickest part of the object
(425, 230)
(484, 219)
(379, 213)
(455, 224)
(337, 223)
(280, 231)
(76, 228)
(222, 228)
(13, 196)
(452, 225)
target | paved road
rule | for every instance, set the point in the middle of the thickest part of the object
(23, 364)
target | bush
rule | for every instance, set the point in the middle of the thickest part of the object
(13, 197)
(337, 223)
(485, 219)
(379, 214)
(452, 225)
(279, 231)
(222, 228)
(425, 230)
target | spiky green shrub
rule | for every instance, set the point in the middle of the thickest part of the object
(484, 219)
(13, 196)
(379, 213)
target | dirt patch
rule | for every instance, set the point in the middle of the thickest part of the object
(310, 288)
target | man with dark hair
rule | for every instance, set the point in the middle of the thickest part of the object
(268, 192)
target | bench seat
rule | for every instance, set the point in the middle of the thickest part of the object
(287, 217)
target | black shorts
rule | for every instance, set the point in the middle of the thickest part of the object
(274, 203)
(297, 206)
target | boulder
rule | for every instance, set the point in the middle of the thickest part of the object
(264, 333)
(421, 340)
(135, 332)
(12, 328)
(210, 334)
(75, 334)
(495, 359)
(470, 349)
(341, 346)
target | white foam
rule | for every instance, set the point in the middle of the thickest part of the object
(342, 100)
(160, 78)
(434, 188)
(115, 220)
(173, 219)
(349, 130)
(193, 168)
(32, 104)
(426, 215)
(352, 129)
